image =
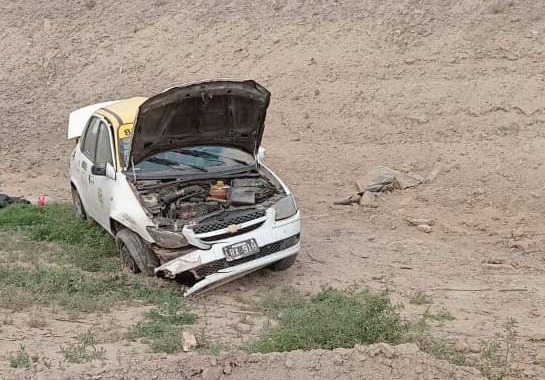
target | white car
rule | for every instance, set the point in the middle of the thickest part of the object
(178, 180)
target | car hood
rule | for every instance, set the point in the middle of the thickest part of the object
(221, 112)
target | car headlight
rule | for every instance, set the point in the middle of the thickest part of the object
(167, 239)
(285, 208)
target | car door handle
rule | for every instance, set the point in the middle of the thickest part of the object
(91, 179)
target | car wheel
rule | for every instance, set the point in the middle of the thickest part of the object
(135, 253)
(77, 205)
(283, 264)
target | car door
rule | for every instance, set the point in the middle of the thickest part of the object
(83, 160)
(102, 176)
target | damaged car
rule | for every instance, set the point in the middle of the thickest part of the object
(178, 180)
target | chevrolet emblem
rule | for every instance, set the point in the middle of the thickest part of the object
(233, 228)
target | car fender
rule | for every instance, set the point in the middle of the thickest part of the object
(272, 174)
(127, 210)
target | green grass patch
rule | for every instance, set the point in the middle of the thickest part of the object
(332, 319)
(21, 359)
(77, 290)
(163, 329)
(86, 246)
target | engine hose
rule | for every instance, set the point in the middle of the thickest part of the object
(176, 194)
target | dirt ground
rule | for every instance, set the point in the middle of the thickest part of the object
(356, 84)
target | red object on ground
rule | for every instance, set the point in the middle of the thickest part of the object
(41, 200)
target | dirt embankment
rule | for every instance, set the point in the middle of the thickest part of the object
(355, 84)
(377, 362)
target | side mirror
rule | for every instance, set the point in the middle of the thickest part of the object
(261, 153)
(98, 169)
(110, 171)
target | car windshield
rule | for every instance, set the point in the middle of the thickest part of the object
(196, 159)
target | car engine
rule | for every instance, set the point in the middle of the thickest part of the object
(175, 205)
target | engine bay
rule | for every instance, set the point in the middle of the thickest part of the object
(175, 205)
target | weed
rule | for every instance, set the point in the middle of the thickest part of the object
(215, 349)
(90, 4)
(443, 350)
(443, 315)
(418, 333)
(36, 321)
(500, 6)
(163, 330)
(13, 298)
(21, 359)
(497, 355)
(331, 319)
(84, 350)
(420, 298)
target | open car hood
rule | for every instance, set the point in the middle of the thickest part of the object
(222, 112)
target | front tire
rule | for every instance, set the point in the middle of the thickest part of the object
(77, 205)
(135, 253)
(283, 264)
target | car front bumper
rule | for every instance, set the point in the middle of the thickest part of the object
(277, 240)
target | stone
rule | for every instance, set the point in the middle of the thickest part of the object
(189, 341)
(387, 350)
(424, 228)
(227, 369)
(289, 363)
(368, 199)
(419, 221)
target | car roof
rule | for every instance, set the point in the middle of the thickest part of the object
(123, 111)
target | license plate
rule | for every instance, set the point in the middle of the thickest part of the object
(240, 250)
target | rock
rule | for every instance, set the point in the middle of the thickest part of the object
(348, 201)
(337, 360)
(227, 369)
(495, 261)
(211, 373)
(424, 228)
(418, 221)
(188, 341)
(213, 361)
(387, 350)
(368, 199)
(498, 266)
(289, 362)
(474, 347)
(461, 346)
(378, 178)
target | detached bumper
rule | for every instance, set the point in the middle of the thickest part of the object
(232, 273)
(276, 239)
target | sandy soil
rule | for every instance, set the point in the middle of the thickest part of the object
(407, 84)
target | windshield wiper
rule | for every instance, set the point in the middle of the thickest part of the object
(173, 164)
(202, 154)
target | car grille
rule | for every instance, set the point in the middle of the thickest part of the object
(221, 222)
(266, 250)
(228, 235)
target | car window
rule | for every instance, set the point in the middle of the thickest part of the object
(90, 138)
(104, 146)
